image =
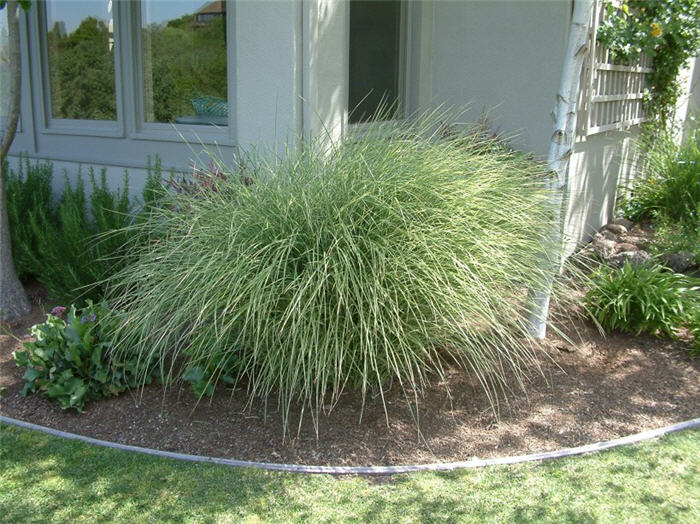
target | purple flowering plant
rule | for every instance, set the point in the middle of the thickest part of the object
(58, 311)
(92, 317)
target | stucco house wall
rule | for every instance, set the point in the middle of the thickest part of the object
(504, 58)
(288, 77)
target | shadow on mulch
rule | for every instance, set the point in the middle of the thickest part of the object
(597, 389)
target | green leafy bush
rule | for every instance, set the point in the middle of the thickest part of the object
(669, 238)
(667, 31)
(671, 189)
(638, 299)
(74, 261)
(69, 362)
(28, 189)
(366, 262)
(73, 244)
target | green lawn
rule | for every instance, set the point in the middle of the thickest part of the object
(44, 478)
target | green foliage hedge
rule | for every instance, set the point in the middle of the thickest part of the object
(368, 262)
(670, 190)
(73, 243)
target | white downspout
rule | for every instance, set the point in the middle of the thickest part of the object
(560, 149)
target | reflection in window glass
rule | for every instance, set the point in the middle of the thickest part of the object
(184, 61)
(375, 51)
(80, 44)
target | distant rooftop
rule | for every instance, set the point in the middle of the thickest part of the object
(218, 7)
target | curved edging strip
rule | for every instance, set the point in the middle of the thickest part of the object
(368, 470)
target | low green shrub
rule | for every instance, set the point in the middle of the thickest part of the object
(671, 188)
(640, 299)
(669, 238)
(69, 360)
(28, 190)
(71, 245)
(368, 262)
(74, 260)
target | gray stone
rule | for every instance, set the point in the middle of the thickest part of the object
(678, 262)
(603, 247)
(627, 224)
(615, 228)
(635, 258)
(624, 246)
(638, 241)
(607, 234)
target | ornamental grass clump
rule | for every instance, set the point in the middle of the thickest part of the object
(670, 192)
(364, 264)
(639, 299)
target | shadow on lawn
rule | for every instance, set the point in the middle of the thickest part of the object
(46, 478)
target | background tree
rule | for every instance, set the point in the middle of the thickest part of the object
(13, 299)
(81, 70)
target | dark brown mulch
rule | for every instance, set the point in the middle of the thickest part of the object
(599, 389)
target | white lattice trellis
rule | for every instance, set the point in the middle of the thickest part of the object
(612, 93)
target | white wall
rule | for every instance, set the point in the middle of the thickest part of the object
(325, 60)
(506, 57)
(267, 76)
(599, 166)
(501, 56)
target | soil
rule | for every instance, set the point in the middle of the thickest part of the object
(596, 388)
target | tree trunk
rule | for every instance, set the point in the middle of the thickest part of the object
(13, 299)
(560, 149)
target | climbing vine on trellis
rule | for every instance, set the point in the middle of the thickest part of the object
(668, 31)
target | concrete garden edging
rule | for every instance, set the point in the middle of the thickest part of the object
(369, 470)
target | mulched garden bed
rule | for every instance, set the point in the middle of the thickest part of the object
(598, 389)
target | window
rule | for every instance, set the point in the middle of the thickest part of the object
(376, 59)
(118, 68)
(80, 60)
(183, 60)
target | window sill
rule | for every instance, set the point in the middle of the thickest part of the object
(101, 128)
(185, 133)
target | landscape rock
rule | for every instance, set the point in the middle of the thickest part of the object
(635, 258)
(678, 262)
(614, 228)
(638, 241)
(603, 247)
(609, 235)
(625, 246)
(627, 224)
(623, 241)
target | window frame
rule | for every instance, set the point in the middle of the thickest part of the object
(143, 130)
(406, 43)
(69, 126)
(130, 123)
